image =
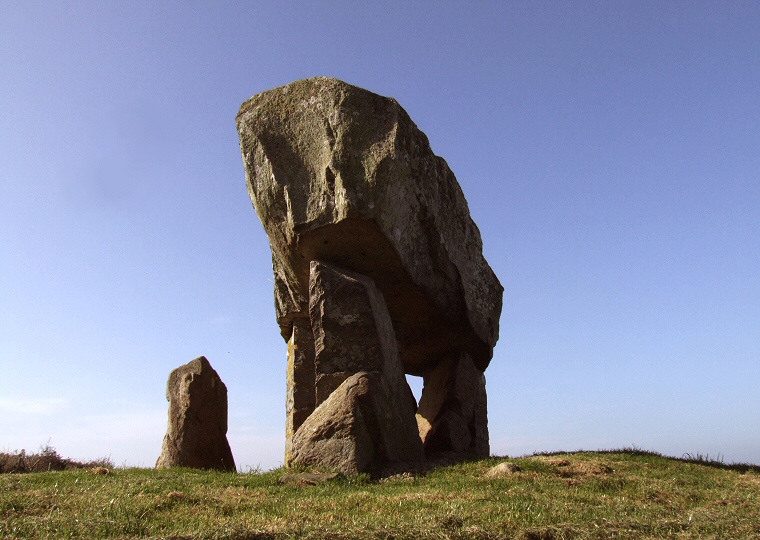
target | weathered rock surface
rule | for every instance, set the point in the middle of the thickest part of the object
(300, 387)
(339, 174)
(197, 432)
(358, 428)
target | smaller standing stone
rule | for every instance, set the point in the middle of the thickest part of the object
(197, 433)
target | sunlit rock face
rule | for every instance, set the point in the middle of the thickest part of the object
(343, 176)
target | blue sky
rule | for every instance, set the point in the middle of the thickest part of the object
(609, 151)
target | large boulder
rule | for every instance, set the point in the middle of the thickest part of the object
(197, 433)
(342, 175)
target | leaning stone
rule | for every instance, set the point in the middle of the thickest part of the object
(358, 428)
(339, 174)
(197, 433)
(352, 332)
(335, 435)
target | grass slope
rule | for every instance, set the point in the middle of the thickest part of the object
(625, 494)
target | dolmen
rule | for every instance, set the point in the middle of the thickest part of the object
(378, 272)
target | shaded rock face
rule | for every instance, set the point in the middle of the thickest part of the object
(378, 267)
(197, 433)
(301, 391)
(452, 415)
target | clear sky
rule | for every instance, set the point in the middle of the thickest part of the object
(609, 151)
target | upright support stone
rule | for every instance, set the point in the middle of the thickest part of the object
(352, 331)
(479, 424)
(452, 415)
(300, 393)
(365, 409)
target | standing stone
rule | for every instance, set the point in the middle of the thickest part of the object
(197, 433)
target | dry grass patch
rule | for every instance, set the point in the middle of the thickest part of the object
(574, 466)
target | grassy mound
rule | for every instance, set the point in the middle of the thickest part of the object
(620, 494)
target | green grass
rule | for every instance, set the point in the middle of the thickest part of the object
(621, 494)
